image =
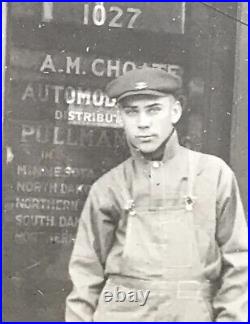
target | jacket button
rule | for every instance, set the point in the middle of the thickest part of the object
(156, 164)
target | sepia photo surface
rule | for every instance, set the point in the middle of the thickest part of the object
(125, 161)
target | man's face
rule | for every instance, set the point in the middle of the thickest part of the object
(148, 120)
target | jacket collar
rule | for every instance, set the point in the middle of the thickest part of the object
(173, 150)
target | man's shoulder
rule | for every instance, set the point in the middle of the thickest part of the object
(210, 162)
(114, 177)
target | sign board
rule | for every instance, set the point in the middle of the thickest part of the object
(62, 132)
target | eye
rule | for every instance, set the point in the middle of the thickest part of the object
(130, 111)
(154, 109)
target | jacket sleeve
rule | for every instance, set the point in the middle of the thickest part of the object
(86, 267)
(230, 303)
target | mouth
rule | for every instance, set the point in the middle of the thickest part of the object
(145, 135)
(145, 138)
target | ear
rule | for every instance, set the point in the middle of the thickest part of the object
(176, 112)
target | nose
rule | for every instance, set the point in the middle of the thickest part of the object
(143, 120)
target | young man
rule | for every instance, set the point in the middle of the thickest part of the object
(162, 236)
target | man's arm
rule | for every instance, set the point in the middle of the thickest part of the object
(230, 303)
(86, 268)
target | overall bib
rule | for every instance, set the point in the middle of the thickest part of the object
(161, 257)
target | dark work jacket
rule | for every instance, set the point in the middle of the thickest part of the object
(218, 212)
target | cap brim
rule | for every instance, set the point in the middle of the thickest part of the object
(142, 92)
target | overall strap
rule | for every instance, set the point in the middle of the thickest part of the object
(129, 204)
(193, 159)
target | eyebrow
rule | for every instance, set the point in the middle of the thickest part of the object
(153, 105)
(148, 106)
(129, 106)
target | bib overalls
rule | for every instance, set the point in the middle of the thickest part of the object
(160, 255)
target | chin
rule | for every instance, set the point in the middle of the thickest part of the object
(147, 150)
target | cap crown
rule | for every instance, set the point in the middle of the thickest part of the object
(142, 81)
